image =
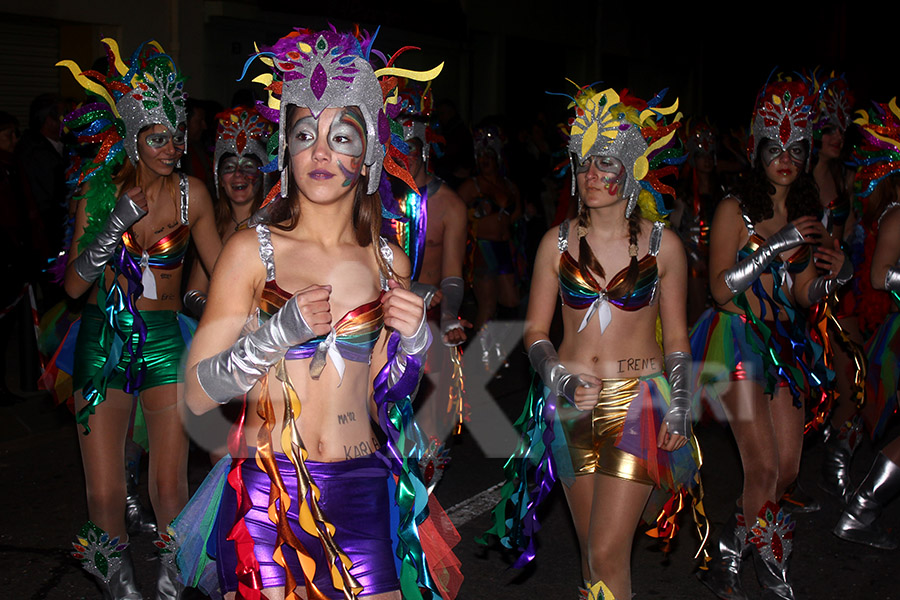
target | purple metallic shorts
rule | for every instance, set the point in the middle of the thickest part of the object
(354, 498)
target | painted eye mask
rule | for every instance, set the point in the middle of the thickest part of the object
(160, 140)
(346, 135)
(771, 151)
(246, 166)
(606, 164)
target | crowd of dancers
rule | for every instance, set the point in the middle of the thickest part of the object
(346, 234)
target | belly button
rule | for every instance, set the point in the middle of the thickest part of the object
(321, 448)
(595, 359)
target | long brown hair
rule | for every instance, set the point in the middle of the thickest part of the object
(129, 176)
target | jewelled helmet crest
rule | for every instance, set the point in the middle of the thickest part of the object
(147, 90)
(329, 69)
(834, 102)
(878, 156)
(699, 136)
(416, 104)
(632, 130)
(783, 114)
(241, 131)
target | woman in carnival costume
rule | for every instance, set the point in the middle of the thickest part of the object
(133, 223)
(753, 350)
(615, 422)
(308, 312)
(878, 182)
(837, 319)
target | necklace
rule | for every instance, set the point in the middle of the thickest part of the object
(238, 224)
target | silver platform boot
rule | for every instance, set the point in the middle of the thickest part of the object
(772, 540)
(859, 522)
(168, 583)
(723, 577)
(108, 561)
(839, 448)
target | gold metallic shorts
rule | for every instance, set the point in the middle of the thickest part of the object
(592, 435)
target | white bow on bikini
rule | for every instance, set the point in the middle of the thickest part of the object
(604, 314)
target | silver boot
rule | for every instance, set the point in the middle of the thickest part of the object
(724, 574)
(772, 541)
(859, 522)
(839, 448)
(137, 518)
(108, 561)
(168, 583)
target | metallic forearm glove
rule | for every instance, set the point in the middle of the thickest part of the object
(232, 372)
(415, 345)
(453, 291)
(821, 287)
(194, 302)
(678, 372)
(545, 361)
(739, 277)
(424, 291)
(92, 260)
(892, 280)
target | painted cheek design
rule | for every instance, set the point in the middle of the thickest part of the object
(351, 175)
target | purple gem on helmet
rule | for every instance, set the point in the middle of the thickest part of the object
(318, 82)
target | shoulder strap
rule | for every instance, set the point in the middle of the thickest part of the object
(887, 209)
(185, 196)
(266, 250)
(656, 237)
(388, 255)
(747, 222)
(563, 239)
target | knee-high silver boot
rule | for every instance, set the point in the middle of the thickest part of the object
(108, 561)
(137, 518)
(772, 540)
(724, 574)
(168, 583)
(859, 522)
(839, 448)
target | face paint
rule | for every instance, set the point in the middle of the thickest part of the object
(612, 169)
(771, 151)
(160, 140)
(303, 135)
(246, 166)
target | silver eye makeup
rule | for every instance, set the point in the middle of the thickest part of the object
(160, 140)
(246, 166)
(346, 134)
(606, 164)
(772, 151)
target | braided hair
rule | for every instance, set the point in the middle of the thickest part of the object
(587, 260)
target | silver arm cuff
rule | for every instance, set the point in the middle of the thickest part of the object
(678, 372)
(194, 302)
(92, 260)
(892, 280)
(545, 362)
(232, 372)
(424, 291)
(739, 277)
(415, 345)
(453, 290)
(821, 287)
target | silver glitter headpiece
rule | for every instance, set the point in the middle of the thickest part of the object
(607, 125)
(242, 131)
(415, 110)
(782, 114)
(328, 69)
(834, 102)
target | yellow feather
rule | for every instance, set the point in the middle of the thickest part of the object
(414, 75)
(114, 48)
(89, 85)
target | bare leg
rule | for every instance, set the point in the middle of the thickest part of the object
(787, 421)
(168, 453)
(102, 453)
(485, 288)
(580, 496)
(749, 414)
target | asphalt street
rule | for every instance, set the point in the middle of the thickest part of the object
(43, 506)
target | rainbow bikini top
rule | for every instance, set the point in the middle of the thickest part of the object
(352, 338)
(777, 268)
(166, 253)
(581, 291)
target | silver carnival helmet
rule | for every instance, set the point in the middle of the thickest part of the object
(415, 111)
(241, 132)
(606, 124)
(783, 114)
(156, 96)
(834, 102)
